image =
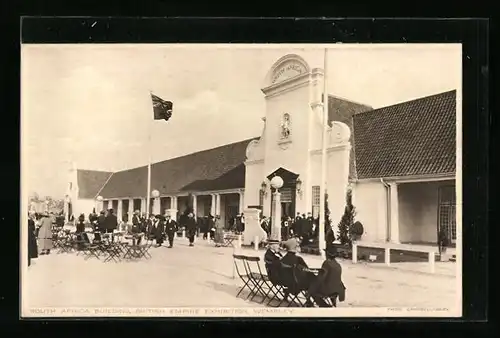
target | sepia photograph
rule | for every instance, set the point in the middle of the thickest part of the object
(241, 180)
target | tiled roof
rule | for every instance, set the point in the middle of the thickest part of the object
(411, 138)
(90, 182)
(343, 110)
(214, 169)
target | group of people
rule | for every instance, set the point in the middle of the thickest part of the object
(303, 227)
(327, 284)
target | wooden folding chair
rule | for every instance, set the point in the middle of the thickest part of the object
(292, 287)
(262, 282)
(241, 271)
(273, 272)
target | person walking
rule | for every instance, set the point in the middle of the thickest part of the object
(219, 231)
(45, 234)
(170, 229)
(32, 245)
(159, 229)
(191, 228)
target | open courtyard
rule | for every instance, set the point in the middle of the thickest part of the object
(202, 276)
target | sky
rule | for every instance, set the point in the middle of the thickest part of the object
(90, 104)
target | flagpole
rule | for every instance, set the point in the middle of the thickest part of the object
(322, 218)
(148, 193)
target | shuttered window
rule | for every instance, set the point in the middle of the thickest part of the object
(315, 200)
(286, 195)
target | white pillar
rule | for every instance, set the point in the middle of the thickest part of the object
(394, 213)
(432, 261)
(387, 256)
(173, 207)
(130, 210)
(276, 222)
(143, 205)
(156, 206)
(217, 204)
(195, 206)
(212, 207)
(241, 204)
(66, 208)
(119, 212)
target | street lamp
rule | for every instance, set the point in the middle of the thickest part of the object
(100, 204)
(276, 183)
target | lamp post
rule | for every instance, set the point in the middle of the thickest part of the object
(156, 201)
(276, 183)
(67, 201)
(99, 200)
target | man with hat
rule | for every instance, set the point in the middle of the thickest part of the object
(191, 228)
(100, 221)
(158, 230)
(328, 284)
(291, 257)
(273, 253)
(111, 222)
(136, 222)
(170, 229)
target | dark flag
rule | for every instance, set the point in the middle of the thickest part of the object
(162, 109)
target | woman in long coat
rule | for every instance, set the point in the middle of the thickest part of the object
(159, 229)
(219, 231)
(45, 234)
(32, 245)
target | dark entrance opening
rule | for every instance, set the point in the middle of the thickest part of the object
(288, 192)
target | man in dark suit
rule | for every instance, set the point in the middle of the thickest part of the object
(170, 230)
(111, 222)
(136, 222)
(191, 228)
(100, 221)
(272, 254)
(291, 257)
(329, 283)
(159, 229)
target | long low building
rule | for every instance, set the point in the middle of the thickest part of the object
(399, 162)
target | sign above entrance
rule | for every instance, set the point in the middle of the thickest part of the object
(287, 70)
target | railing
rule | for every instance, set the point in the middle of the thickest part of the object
(431, 251)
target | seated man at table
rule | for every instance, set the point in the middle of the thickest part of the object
(273, 253)
(329, 283)
(305, 276)
(291, 257)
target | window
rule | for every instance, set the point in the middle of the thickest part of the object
(447, 212)
(315, 200)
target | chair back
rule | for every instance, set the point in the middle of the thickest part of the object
(240, 266)
(253, 264)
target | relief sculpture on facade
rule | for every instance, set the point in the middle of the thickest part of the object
(285, 126)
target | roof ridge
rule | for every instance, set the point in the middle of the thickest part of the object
(190, 154)
(97, 171)
(104, 185)
(375, 110)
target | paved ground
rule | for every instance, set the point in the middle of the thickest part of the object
(201, 276)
